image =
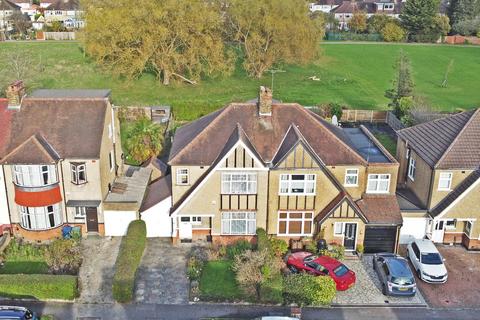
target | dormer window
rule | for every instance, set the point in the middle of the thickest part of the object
(297, 184)
(378, 183)
(351, 177)
(79, 172)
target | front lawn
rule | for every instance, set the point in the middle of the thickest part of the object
(24, 258)
(355, 75)
(217, 282)
(38, 286)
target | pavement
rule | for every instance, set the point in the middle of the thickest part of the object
(368, 290)
(97, 270)
(161, 277)
(461, 289)
(229, 311)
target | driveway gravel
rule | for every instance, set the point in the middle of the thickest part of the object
(367, 289)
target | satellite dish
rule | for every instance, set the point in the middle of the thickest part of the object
(334, 120)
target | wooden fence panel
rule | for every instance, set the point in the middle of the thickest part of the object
(350, 115)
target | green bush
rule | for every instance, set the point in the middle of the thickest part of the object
(38, 286)
(18, 250)
(271, 290)
(307, 290)
(335, 251)
(278, 246)
(238, 248)
(194, 268)
(128, 260)
(64, 256)
(336, 110)
(392, 32)
(262, 240)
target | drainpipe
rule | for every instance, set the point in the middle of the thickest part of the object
(63, 189)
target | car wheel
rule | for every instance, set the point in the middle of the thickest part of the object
(384, 290)
(293, 269)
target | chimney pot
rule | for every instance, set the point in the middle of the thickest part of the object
(15, 93)
(265, 101)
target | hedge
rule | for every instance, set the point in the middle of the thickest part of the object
(38, 286)
(128, 260)
(306, 290)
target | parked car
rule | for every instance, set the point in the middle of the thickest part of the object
(395, 275)
(427, 261)
(322, 266)
(16, 313)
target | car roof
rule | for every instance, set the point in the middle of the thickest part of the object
(328, 261)
(398, 267)
(425, 245)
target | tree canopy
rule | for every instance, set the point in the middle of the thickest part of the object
(168, 37)
(418, 18)
(273, 31)
(463, 10)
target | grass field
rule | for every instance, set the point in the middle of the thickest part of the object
(356, 75)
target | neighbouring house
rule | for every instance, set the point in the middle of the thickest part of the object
(60, 156)
(440, 178)
(7, 8)
(325, 6)
(67, 12)
(281, 167)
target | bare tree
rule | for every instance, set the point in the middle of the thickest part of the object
(18, 64)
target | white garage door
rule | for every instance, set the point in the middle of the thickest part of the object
(116, 222)
(413, 228)
(158, 220)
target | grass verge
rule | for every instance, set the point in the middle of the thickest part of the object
(38, 286)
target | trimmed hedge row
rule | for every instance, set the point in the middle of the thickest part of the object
(128, 260)
(38, 286)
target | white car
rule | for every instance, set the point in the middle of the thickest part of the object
(427, 261)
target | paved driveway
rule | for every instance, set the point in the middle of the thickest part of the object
(161, 278)
(462, 288)
(367, 289)
(98, 267)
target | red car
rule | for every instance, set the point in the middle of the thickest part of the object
(322, 266)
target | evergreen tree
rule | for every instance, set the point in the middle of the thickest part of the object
(462, 10)
(418, 18)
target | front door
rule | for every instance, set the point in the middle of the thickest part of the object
(438, 231)
(350, 235)
(185, 228)
(92, 219)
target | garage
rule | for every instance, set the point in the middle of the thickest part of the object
(116, 222)
(380, 239)
(413, 228)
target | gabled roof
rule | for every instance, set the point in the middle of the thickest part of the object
(157, 191)
(381, 209)
(200, 142)
(456, 193)
(335, 203)
(7, 5)
(35, 150)
(65, 5)
(448, 143)
(71, 128)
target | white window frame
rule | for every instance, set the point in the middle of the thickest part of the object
(412, 168)
(76, 169)
(80, 213)
(110, 131)
(196, 220)
(447, 227)
(379, 179)
(469, 228)
(112, 160)
(407, 154)
(351, 174)
(181, 174)
(342, 229)
(38, 218)
(228, 183)
(303, 219)
(449, 179)
(249, 221)
(32, 175)
(289, 182)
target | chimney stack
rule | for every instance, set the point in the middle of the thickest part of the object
(265, 101)
(15, 93)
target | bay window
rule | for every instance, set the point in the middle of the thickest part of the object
(295, 223)
(238, 223)
(79, 175)
(378, 183)
(239, 183)
(297, 184)
(34, 175)
(40, 218)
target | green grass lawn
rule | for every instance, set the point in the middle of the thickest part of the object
(218, 282)
(38, 286)
(356, 75)
(24, 259)
(388, 142)
(25, 267)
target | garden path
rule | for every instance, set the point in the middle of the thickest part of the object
(161, 277)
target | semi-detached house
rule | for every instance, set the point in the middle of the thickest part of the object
(281, 167)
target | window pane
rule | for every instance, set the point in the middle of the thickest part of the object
(238, 226)
(295, 227)
(282, 227)
(251, 227)
(226, 226)
(308, 215)
(338, 228)
(283, 215)
(307, 227)
(296, 215)
(383, 186)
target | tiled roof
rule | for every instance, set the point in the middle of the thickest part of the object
(201, 141)
(448, 143)
(35, 150)
(457, 192)
(335, 203)
(381, 209)
(73, 128)
(156, 192)
(8, 5)
(65, 5)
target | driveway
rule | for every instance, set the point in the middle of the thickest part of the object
(461, 288)
(367, 289)
(98, 267)
(161, 277)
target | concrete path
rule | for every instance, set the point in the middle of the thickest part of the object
(161, 278)
(98, 267)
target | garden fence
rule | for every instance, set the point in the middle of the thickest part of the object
(394, 122)
(59, 35)
(349, 115)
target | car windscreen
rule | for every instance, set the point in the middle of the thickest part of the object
(310, 258)
(340, 270)
(431, 258)
(403, 281)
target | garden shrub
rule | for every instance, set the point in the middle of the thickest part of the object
(335, 251)
(18, 250)
(278, 246)
(238, 248)
(336, 110)
(194, 268)
(64, 256)
(392, 32)
(271, 290)
(262, 240)
(128, 260)
(306, 290)
(38, 286)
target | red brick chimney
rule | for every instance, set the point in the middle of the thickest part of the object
(15, 93)
(265, 101)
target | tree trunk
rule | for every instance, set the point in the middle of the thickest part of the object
(166, 77)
